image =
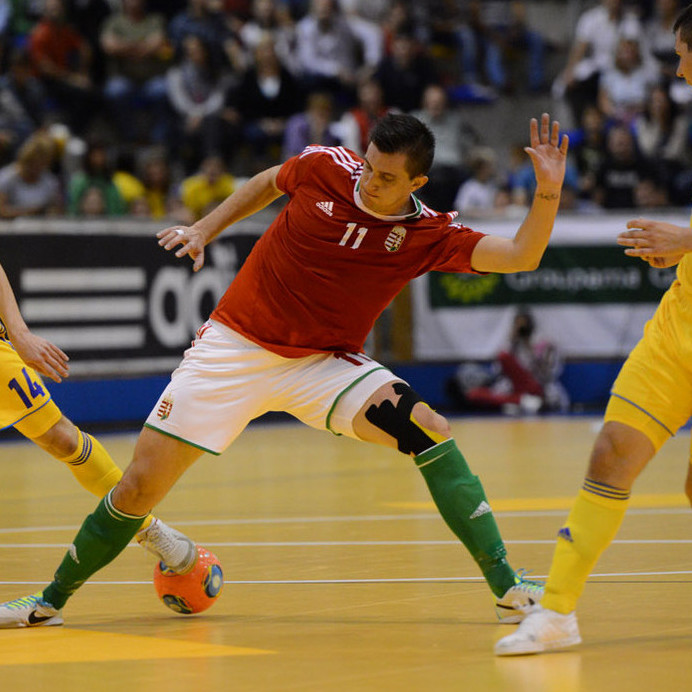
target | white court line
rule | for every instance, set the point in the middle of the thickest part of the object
(402, 580)
(309, 544)
(352, 518)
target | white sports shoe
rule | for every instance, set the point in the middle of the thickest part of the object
(518, 599)
(541, 630)
(173, 548)
(29, 611)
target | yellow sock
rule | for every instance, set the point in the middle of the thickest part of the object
(592, 524)
(94, 468)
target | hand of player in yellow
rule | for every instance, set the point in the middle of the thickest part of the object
(41, 355)
(656, 239)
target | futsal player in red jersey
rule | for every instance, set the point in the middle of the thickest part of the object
(288, 336)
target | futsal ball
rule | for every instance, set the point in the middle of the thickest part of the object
(192, 592)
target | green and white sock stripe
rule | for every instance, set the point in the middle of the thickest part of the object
(117, 514)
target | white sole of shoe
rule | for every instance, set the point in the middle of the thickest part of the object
(538, 647)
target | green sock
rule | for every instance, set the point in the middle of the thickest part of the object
(103, 535)
(461, 500)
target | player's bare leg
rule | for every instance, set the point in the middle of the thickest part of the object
(395, 416)
(158, 462)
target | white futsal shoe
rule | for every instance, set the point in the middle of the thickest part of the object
(170, 546)
(519, 599)
(541, 630)
(29, 611)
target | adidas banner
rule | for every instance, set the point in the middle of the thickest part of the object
(116, 302)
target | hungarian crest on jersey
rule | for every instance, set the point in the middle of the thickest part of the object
(165, 407)
(395, 238)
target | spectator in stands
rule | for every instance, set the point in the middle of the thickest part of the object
(399, 18)
(125, 177)
(138, 53)
(659, 37)
(367, 31)
(155, 174)
(524, 379)
(592, 51)
(355, 124)
(453, 139)
(315, 125)
(257, 111)
(202, 192)
(196, 91)
(621, 172)
(588, 149)
(624, 87)
(147, 186)
(481, 196)
(27, 186)
(62, 59)
(205, 20)
(405, 72)
(22, 105)
(495, 38)
(195, 19)
(327, 51)
(92, 203)
(661, 131)
(96, 174)
(272, 18)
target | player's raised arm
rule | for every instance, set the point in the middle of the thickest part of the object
(256, 194)
(548, 153)
(43, 356)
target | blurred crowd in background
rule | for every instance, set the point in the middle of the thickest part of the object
(158, 108)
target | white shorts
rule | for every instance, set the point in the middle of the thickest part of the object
(224, 381)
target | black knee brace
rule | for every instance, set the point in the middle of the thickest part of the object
(398, 422)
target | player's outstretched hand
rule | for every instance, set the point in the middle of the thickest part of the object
(191, 240)
(548, 153)
(664, 243)
(43, 356)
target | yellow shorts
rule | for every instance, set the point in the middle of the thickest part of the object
(653, 392)
(25, 403)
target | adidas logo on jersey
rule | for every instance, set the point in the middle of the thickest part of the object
(326, 207)
(482, 509)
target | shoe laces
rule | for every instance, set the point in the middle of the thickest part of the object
(166, 541)
(522, 583)
(26, 602)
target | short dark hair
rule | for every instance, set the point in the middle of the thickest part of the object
(684, 23)
(398, 133)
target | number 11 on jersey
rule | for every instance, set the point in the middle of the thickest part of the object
(359, 238)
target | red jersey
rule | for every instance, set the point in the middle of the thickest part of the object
(326, 268)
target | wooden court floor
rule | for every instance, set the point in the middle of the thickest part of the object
(340, 576)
